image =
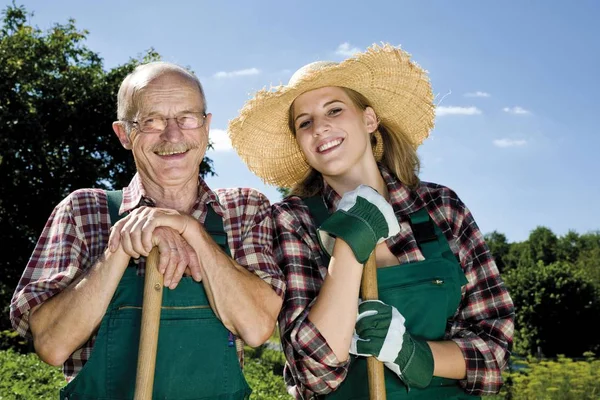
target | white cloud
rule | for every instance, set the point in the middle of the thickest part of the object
(345, 50)
(516, 110)
(453, 110)
(233, 74)
(510, 142)
(220, 140)
(477, 94)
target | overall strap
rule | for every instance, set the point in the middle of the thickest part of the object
(317, 208)
(214, 226)
(429, 236)
(114, 198)
(319, 212)
(213, 223)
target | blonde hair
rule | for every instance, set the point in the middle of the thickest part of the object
(128, 98)
(399, 154)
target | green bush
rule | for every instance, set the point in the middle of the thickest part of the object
(24, 377)
(562, 379)
(12, 340)
(263, 370)
(551, 303)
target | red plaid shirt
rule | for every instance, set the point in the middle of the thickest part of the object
(482, 326)
(77, 233)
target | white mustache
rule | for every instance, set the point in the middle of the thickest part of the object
(174, 148)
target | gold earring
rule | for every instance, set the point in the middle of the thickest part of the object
(377, 146)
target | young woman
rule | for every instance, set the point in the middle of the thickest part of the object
(343, 136)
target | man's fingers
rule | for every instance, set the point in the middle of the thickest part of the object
(163, 260)
(177, 257)
(115, 236)
(135, 236)
(181, 266)
(194, 263)
(127, 246)
(172, 266)
(147, 231)
(114, 240)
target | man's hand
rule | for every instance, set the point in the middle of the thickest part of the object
(147, 227)
(380, 332)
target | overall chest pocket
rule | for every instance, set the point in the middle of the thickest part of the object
(194, 358)
(426, 293)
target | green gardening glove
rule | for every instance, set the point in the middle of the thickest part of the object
(380, 332)
(363, 219)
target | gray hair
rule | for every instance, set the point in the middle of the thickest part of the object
(139, 78)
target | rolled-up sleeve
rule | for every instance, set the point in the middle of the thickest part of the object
(483, 326)
(251, 234)
(65, 249)
(311, 367)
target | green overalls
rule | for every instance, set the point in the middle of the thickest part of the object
(426, 293)
(196, 356)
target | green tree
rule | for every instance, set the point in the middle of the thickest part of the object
(518, 256)
(588, 257)
(499, 247)
(283, 191)
(56, 110)
(543, 245)
(568, 247)
(555, 305)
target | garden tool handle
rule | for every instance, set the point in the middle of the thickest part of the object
(152, 301)
(369, 291)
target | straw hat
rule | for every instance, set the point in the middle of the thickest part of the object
(397, 88)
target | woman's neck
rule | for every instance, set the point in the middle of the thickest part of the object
(360, 176)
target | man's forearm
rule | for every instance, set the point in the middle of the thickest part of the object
(245, 304)
(66, 321)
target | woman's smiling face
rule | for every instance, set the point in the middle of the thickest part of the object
(332, 132)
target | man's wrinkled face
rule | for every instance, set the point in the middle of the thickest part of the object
(172, 157)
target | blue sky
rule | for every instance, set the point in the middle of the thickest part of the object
(515, 136)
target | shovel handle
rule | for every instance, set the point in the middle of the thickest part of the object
(153, 290)
(369, 291)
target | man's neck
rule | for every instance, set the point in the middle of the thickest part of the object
(181, 198)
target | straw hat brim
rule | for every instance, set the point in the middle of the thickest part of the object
(397, 88)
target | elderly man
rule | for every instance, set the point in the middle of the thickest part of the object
(80, 295)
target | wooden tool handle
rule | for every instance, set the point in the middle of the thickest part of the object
(374, 367)
(153, 290)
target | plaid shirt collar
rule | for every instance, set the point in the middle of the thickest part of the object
(404, 200)
(134, 196)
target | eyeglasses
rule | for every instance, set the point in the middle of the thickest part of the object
(158, 124)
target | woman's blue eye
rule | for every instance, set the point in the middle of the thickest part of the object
(304, 124)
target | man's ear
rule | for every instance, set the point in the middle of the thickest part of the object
(121, 131)
(207, 122)
(370, 119)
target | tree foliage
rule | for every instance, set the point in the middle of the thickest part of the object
(543, 245)
(56, 110)
(555, 285)
(555, 305)
(499, 247)
(57, 104)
